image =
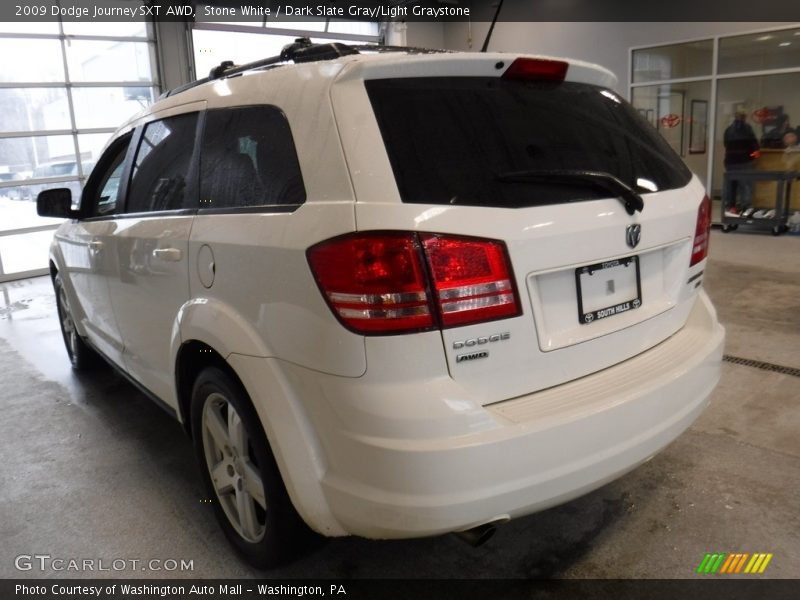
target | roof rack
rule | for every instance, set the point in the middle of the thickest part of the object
(300, 51)
(407, 49)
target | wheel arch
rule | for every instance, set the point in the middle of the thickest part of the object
(210, 332)
(205, 333)
(295, 448)
(192, 358)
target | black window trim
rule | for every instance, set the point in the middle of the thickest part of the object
(264, 209)
(140, 215)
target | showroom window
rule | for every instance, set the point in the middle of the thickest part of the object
(692, 59)
(664, 106)
(67, 87)
(242, 42)
(692, 99)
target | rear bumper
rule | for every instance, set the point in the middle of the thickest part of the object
(542, 449)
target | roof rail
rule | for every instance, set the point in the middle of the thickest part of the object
(407, 49)
(300, 51)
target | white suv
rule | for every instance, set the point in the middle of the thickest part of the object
(393, 293)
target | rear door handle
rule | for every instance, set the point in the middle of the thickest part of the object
(168, 254)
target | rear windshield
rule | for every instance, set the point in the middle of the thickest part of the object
(485, 141)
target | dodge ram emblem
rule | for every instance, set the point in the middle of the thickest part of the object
(633, 234)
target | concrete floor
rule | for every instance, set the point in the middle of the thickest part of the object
(92, 469)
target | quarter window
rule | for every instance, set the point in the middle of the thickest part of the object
(249, 158)
(102, 189)
(161, 169)
(107, 202)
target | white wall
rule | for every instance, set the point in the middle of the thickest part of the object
(603, 43)
(425, 35)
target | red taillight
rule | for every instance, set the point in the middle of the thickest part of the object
(471, 279)
(374, 282)
(397, 282)
(702, 232)
(537, 68)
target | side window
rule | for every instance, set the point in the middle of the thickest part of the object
(248, 158)
(102, 188)
(107, 201)
(161, 167)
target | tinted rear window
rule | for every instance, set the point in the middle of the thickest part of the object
(451, 140)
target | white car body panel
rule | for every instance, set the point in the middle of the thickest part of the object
(390, 436)
(89, 266)
(256, 257)
(416, 464)
(149, 289)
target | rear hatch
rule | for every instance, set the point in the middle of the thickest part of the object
(597, 213)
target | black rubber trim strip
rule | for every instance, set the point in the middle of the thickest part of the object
(178, 212)
(265, 209)
(764, 366)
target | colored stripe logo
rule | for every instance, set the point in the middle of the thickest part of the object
(734, 563)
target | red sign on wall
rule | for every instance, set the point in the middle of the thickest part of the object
(761, 114)
(671, 120)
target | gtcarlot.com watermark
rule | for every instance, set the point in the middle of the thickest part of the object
(57, 564)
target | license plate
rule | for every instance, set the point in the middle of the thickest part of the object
(608, 288)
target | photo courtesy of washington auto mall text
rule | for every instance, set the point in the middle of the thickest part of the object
(175, 590)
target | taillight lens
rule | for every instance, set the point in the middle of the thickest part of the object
(702, 232)
(537, 68)
(374, 282)
(471, 279)
(401, 282)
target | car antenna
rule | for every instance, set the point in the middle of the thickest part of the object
(491, 27)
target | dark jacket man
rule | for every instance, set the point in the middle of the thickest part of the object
(740, 142)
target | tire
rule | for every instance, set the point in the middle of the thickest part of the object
(727, 228)
(240, 474)
(777, 230)
(81, 356)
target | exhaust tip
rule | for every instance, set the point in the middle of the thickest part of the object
(478, 536)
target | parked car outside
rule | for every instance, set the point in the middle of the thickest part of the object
(12, 192)
(54, 170)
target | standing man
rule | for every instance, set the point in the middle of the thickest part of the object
(741, 149)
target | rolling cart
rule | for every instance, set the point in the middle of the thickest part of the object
(783, 192)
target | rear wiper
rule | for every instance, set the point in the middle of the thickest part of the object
(607, 181)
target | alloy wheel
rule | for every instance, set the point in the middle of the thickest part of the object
(234, 470)
(67, 324)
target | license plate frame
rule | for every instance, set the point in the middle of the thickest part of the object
(587, 317)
